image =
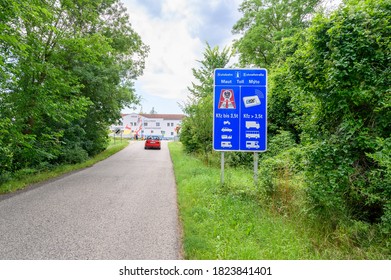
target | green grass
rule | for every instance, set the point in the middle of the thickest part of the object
(235, 221)
(22, 182)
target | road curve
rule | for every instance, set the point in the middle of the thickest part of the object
(121, 208)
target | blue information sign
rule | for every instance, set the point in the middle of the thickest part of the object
(239, 110)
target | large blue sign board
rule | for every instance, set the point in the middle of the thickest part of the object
(239, 110)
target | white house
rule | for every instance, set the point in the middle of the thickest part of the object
(135, 125)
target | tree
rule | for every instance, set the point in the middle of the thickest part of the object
(271, 31)
(197, 126)
(67, 69)
(153, 111)
(265, 23)
(108, 76)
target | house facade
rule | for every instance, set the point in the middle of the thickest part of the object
(133, 125)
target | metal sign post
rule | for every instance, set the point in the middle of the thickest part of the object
(222, 169)
(255, 168)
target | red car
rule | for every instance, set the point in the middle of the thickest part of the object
(152, 142)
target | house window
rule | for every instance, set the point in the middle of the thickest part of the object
(145, 124)
(172, 133)
(172, 124)
(158, 124)
(168, 124)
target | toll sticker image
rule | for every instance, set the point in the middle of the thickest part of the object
(251, 101)
(227, 99)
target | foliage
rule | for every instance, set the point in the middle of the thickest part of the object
(329, 90)
(265, 23)
(329, 87)
(67, 69)
(19, 180)
(346, 64)
(196, 135)
(237, 159)
(289, 107)
(237, 222)
(279, 167)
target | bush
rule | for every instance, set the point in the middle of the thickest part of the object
(187, 137)
(20, 174)
(279, 169)
(386, 219)
(5, 176)
(344, 64)
(327, 176)
(96, 141)
(380, 181)
(74, 154)
(236, 159)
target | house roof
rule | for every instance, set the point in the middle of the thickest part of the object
(164, 116)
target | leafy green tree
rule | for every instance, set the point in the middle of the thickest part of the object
(265, 23)
(67, 69)
(271, 31)
(197, 127)
(115, 90)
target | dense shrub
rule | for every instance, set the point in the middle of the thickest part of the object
(280, 164)
(236, 159)
(345, 64)
(74, 154)
(6, 155)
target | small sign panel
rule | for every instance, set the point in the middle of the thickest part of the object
(227, 99)
(239, 110)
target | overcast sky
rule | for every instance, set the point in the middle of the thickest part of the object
(176, 32)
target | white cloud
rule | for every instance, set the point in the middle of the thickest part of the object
(171, 58)
(176, 31)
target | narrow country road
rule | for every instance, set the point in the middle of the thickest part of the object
(121, 208)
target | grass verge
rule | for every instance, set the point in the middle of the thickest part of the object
(234, 222)
(22, 182)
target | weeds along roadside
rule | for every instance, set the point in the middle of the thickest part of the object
(268, 221)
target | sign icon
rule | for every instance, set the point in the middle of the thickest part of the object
(227, 99)
(252, 144)
(252, 125)
(252, 134)
(226, 144)
(251, 101)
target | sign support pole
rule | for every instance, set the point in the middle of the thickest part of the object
(240, 113)
(222, 169)
(255, 168)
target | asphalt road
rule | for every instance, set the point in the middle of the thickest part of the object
(121, 208)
